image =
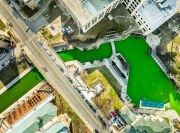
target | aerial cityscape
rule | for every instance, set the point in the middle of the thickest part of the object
(89, 66)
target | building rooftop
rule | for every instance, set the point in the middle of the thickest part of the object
(84, 10)
(152, 124)
(155, 13)
(23, 115)
(59, 124)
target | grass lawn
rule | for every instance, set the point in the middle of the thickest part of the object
(104, 51)
(2, 25)
(108, 99)
(146, 79)
(19, 89)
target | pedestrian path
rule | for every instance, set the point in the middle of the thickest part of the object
(113, 47)
(16, 79)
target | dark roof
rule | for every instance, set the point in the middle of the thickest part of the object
(2, 50)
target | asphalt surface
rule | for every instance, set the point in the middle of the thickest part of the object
(54, 76)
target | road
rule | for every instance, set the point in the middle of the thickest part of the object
(54, 76)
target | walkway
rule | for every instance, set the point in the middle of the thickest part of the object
(16, 79)
(113, 47)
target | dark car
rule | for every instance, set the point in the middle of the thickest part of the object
(95, 131)
(8, 1)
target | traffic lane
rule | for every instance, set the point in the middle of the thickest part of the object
(57, 80)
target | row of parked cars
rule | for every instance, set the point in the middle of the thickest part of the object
(50, 54)
(115, 120)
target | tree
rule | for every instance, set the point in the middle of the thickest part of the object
(171, 55)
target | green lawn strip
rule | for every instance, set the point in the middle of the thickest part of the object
(104, 51)
(20, 88)
(2, 25)
(146, 79)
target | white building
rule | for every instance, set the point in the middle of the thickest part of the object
(150, 14)
(33, 4)
(87, 13)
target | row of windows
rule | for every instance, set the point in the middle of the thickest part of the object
(102, 15)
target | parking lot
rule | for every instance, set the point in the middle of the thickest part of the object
(4, 61)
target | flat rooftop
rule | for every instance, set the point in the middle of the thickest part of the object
(156, 13)
(85, 10)
(22, 110)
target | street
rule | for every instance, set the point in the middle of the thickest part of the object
(54, 76)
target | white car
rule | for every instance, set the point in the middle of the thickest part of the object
(49, 53)
(53, 59)
(44, 48)
(27, 28)
(63, 30)
(57, 64)
(40, 42)
(6, 63)
(110, 17)
(69, 30)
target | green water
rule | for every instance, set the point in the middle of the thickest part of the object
(19, 89)
(146, 79)
(104, 51)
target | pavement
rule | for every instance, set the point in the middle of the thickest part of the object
(53, 75)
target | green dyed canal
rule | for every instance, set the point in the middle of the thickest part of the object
(104, 51)
(146, 79)
(19, 89)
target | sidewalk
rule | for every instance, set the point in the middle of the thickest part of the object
(16, 79)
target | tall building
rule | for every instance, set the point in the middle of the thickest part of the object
(150, 14)
(87, 13)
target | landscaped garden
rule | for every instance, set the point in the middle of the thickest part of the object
(108, 99)
(19, 89)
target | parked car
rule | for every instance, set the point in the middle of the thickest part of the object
(44, 48)
(8, 1)
(49, 53)
(69, 30)
(110, 17)
(53, 59)
(9, 23)
(40, 42)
